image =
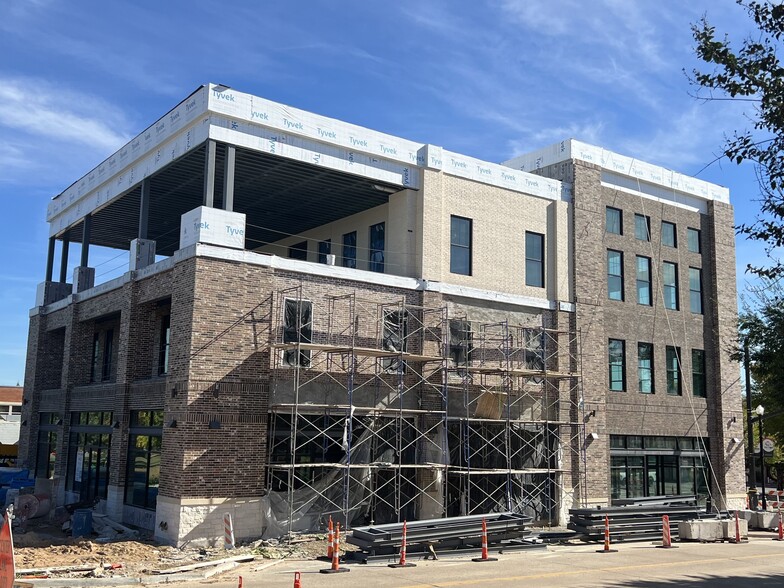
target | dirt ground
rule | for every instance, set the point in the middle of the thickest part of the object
(44, 545)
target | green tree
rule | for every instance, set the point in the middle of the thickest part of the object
(762, 325)
(752, 71)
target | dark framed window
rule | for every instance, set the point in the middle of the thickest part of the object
(698, 373)
(670, 284)
(614, 275)
(616, 351)
(460, 342)
(669, 235)
(108, 352)
(534, 259)
(376, 259)
(350, 249)
(143, 472)
(46, 455)
(644, 281)
(693, 240)
(645, 368)
(613, 221)
(324, 249)
(665, 465)
(88, 454)
(164, 345)
(674, 371)
(695, 290)
(642, 227)
(299, 251)
(460, 245)
(297, 328)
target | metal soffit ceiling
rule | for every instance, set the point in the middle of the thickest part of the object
(279, 196)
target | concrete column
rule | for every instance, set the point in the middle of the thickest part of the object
(64, 259)
(228, 178)
(209, 173)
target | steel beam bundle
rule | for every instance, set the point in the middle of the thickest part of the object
(638, 520)
(447, 533)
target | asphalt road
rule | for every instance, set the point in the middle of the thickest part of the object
(759, 563)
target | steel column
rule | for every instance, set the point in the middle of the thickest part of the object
(64, 260)
(86, 227)
(228, 178)
(209, 173)
(50, 259)
(144, 208)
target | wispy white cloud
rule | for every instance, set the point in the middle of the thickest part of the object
(36, 107)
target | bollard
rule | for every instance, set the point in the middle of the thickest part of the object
(335, 568)
(297, 582)
(485, 556)
(606, 537)
(666, 534)
(403, 563)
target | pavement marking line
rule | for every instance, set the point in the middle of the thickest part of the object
(590, 570)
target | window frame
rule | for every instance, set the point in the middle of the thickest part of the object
(698, 377)
(537, 264)
(611, 277)
(611, 210)
(695, 295)
(324, 249)
(648, 282)
(108, 351)
(151, 427)
(456, 249)
(376, 247)
(647, 226)
(649, 369)
(697, 234)
(674, 371)
(613, 380)
(349, 251)
(667, 243)
(670, 289)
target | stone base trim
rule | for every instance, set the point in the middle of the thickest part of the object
(199, 521)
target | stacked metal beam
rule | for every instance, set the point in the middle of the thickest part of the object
(634, 520)
(441, 534)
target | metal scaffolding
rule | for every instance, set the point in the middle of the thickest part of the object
(385, 411)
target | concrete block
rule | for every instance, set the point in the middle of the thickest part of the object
(764, 520)
(728, 528)
(701, 530)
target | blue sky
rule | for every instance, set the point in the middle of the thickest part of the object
(491, 79)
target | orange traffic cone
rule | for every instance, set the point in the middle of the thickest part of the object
(402, 563)
(737, 529)
(484, 545)
(666, 536)
(297, 582)
(781, 529)
(606, 537)
(330, 539)
(239, 585)
(335, 568)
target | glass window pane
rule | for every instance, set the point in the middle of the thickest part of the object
(614, 275)
(350, 249)
(644, 280)
(460, 246)
(645, 367)
(668, 234)
(617, 364)
(614, 223)
(695, 290)
(377, 246)
(693, 238)
(534, 259)
(642, 227)
(698, 373)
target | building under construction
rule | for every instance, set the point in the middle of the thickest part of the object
(322, 320)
